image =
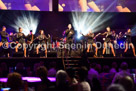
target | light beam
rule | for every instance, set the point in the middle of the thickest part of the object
(27, 22)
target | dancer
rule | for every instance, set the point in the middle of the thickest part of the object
(20, 39)
(91, 42)
(42, 42)
(108, 41)
(129, 42)
(69, 38)
(4, 36)
(114, 37)
(4, 39)
(30, 37)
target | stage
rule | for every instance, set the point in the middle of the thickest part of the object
(64, 63)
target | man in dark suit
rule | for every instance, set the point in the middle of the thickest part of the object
(69, 38)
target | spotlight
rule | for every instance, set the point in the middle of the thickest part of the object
(133, 31)
(84, 22)
(27, 22)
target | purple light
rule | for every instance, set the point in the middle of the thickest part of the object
(30, 79)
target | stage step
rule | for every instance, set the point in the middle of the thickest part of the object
(72, 64)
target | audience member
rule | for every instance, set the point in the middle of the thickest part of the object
(92, 73)
(20, 68)
(114, 68)
(4, 69)
(105, 77)
(52, 70)
(45, 83)
(115, 87)
(61, 81)
(71, 76)
(122, 73)
(14, 81)
(98, 68)
(127, 82)
(83, 85)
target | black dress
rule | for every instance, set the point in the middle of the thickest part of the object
(108, 37)
(128, 37)
(42, 38)
(4, 36)
(69, 35)
(20, 37)
(90, 38)
(29, 37)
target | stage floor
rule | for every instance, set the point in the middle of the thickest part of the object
(28, 61)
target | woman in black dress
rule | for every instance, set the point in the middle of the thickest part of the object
(20, 37)
(91, 42)
(108, 41)
(42, 42)
(129, 42)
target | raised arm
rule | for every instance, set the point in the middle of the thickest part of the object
(104, 33)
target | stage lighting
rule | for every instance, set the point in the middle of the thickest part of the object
(84, 22)
(133, 31)
(27, 22)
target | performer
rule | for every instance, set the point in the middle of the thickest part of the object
(90, 39)
(12, 37)
(108, 41)
(30, 37)
(129, 42)
(120, 36)
(4, 37)
(121, 6)
(4, 40)
(114, 37)
(69, 37)
(2, 5)
(84, 3)
(20, 39)
(42, 41)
